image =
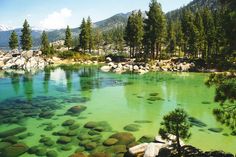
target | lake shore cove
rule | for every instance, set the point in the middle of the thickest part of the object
(61, 125)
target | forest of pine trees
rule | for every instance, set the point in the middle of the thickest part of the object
(203, 33)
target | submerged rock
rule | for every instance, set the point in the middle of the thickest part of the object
(216, 130)
(155, 99)
(90, 145)
(12, 132)
(118, 149)
(75, 110)
(68, 122)
(4, 145)
(51, 153)
(206, 102)
(110, 142)
(79, 154)
(74, 126)
(66, 148)
(90, 125)
(146, 139)
(15, 150)
(142, 121)
(194, 121)
(46, 114)
(123, 138)
(41, 151)
(98, 126)
(132, 127)
(100, 154)
(64, 140)
(153, 94)
(11, 139)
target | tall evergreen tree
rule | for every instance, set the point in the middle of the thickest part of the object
(139, 31)
(200, 30)
(134, 32)
(26, 39)
(230, 24)
(83, 37)
(176, 123)
(129, 34)
(68, 38)
(209, 30)
(171, 37)
(179, 35)
(155, 28)
(45, 47)
(89, 31)
(98, 39)
(13, 41)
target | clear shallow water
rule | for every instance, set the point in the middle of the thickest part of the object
(116, 99)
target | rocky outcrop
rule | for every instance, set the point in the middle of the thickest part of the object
(26, 60)
(142, 68)
(153, 149)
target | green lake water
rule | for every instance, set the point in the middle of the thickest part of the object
(117, 99)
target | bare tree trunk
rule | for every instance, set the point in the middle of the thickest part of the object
(178, 142)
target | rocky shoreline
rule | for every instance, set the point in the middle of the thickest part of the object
(173, 65)
(33, 60)
(25, 60)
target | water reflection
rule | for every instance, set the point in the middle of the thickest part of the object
(28, 85)
(15, 81)
(47, 75)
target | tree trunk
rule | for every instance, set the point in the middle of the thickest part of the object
(130, 52)
(160, 52)
(178, 142)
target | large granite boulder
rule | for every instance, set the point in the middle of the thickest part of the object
(15, 150)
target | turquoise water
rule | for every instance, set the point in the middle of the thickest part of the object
(117, 99)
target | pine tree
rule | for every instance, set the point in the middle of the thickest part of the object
(139, 31)
(171, 38)
(13, 41)
(26, 39)
(83, 37)
(118, 38)
(155, 28)
(209, 30)
(200, 36)
(193, 39)
(129, 34)
(179, 36)
(98, 39)
(68, 38)
(45, 47)
(229, 24)
(176, 123)
(134, 32)
(90, 36)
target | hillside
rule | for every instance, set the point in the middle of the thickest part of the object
(194, 6)
(104, 25)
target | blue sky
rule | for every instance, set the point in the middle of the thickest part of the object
(54, 14)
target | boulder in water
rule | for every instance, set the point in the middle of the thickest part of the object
(12, 132)
(123, 138)
(15, 150)
(75, 110)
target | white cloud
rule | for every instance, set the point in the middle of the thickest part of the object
(56, 20)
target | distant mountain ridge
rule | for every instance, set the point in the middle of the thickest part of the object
(104, 25)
